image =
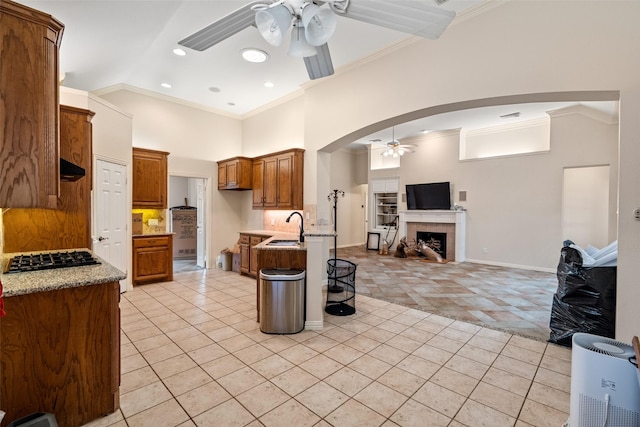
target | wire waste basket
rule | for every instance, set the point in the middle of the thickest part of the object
(341, 289)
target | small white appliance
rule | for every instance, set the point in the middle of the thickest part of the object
(604, 383)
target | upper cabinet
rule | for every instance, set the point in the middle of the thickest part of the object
(69, 225)
(234, 174)
(149, 179)
(29, 102)
(278, 180)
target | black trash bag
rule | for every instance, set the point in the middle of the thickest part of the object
(585, 300)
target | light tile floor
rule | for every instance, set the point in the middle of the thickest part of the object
(193, 355)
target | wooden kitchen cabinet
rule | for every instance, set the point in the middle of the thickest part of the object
(69, 225)
(278, 180)
(152, 259)
(149, 179)
(29, 102)
(248, 255)
(235, 174)
(60, 354)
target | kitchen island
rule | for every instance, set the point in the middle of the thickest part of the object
(311, 256)
(60, 343)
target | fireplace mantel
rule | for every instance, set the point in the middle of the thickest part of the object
(457, 218)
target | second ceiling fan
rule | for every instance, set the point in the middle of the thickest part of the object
(312, 24)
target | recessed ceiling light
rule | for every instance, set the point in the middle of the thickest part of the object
(268, 84)
(254, 55)
(231, 104)
(214, 89)
(179, 52)
(165, 85)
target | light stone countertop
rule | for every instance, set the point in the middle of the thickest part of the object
(14, 284)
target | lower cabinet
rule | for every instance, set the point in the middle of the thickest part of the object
(152, 259)
(248, 255)
(60, 354)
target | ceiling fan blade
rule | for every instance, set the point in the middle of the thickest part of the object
(412, 17)
(223, 28)
(319, 65)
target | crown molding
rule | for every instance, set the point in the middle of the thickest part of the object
(134, 89)
(583, 110)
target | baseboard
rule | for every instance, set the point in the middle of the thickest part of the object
(507, 265)
(314, 325)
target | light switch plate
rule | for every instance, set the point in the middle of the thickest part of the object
(153, 222)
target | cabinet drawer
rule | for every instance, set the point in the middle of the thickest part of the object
(256, 239)
(245, 239)
(146, 242)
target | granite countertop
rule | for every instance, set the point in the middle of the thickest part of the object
(320, 231)
(15, 284)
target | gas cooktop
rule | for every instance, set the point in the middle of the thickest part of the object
(47, 261)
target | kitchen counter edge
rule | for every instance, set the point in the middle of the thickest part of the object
(15, 284)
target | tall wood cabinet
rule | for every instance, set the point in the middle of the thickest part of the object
(68, 226)
(149, 179)
(29, 101)
(278, 180)
(234, 174)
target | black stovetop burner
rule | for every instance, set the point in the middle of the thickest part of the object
(47, 261)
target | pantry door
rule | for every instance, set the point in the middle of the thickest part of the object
(110, 213)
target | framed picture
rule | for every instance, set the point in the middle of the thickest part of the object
(373, 241)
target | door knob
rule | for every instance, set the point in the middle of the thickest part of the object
(100, 239)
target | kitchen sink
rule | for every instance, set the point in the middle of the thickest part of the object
(283, 243)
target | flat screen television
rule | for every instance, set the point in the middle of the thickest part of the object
(435, 195)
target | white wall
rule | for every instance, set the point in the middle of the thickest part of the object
(350, 210)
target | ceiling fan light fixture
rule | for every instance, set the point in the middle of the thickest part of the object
(299, 47)
(319, 23)
(273, 23)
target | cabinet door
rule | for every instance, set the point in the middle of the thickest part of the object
(285, 181)
(149, 179)
(29, 101)
(152, 259)
(232, 174)
(245, 258)
(253, 264)
(270, 183)
(258, 183)
(222, 176)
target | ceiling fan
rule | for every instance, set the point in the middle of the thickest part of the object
(312, 24)
(395, 149)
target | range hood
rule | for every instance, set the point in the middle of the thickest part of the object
(70, 171)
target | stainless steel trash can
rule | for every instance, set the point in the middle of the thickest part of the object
(282, 301)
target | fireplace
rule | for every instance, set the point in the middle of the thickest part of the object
(436, 241)
(450, 223)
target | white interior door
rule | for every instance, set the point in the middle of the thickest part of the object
(200, 242)
(110, 211)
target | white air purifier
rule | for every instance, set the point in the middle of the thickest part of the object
(605, 391)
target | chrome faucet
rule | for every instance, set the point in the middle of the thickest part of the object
(301, 238)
